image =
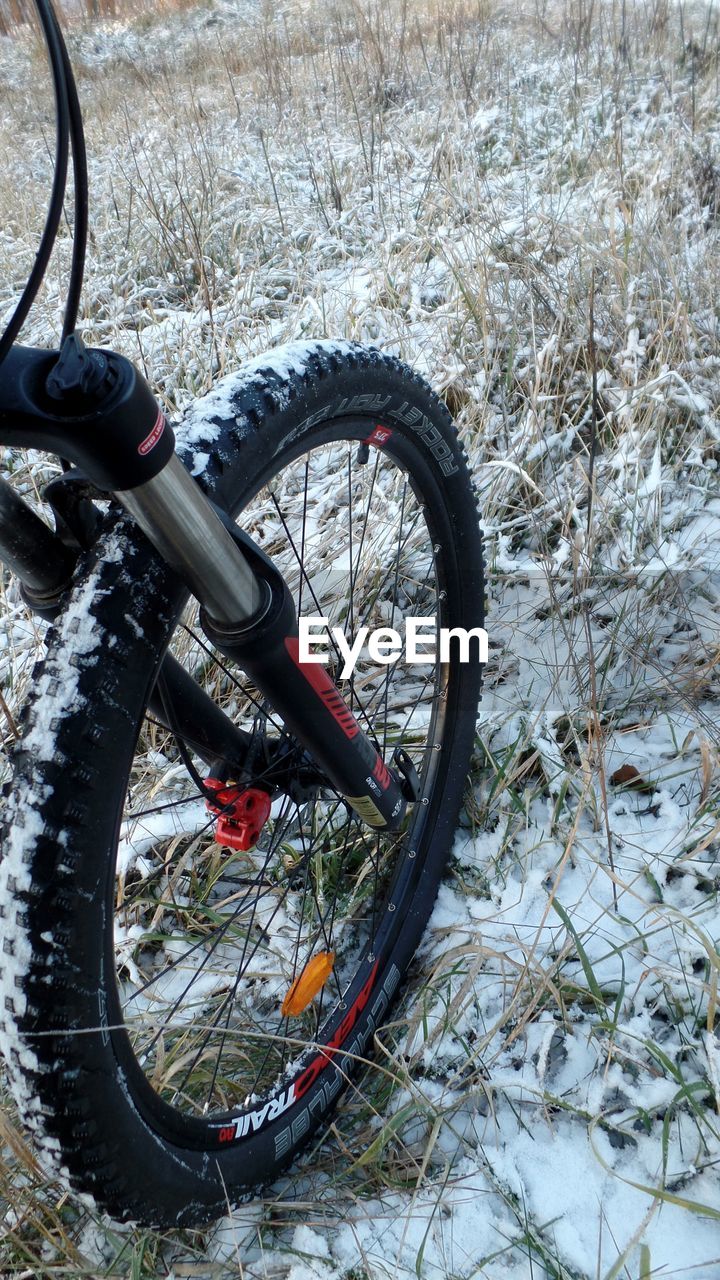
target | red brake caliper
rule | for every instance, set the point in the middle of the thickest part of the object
(242, 812)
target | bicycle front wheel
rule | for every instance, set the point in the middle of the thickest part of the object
(180, 1016)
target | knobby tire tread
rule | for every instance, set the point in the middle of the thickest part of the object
(50, 883)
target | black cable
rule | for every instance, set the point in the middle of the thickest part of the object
(80, 183)
(55, 208)
(162, 688)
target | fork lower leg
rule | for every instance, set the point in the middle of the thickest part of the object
(249, 615)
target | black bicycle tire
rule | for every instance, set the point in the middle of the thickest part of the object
(65, 1065)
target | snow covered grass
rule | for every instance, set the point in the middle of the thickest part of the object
(524, 202)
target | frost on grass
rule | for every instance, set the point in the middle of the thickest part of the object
(467, 190)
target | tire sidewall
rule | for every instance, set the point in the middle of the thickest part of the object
(140, 1170)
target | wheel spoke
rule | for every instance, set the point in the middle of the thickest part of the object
(223, 937)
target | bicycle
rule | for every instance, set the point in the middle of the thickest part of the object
(191, 978)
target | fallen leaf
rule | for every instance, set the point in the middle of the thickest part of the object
(628, 776)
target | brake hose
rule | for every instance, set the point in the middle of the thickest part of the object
(68, 127)
(80, 184)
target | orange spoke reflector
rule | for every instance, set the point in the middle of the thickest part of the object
(308, 983)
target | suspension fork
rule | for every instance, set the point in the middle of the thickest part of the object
(247, 613)
(94, 409)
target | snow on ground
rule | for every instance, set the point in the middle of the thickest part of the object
(525, 205)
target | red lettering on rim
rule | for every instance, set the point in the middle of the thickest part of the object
(151, 440)
(323, 1059)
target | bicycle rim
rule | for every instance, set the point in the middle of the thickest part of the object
(234, 967)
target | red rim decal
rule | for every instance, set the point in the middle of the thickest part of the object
(318, 1064)
(379, 436)
(252, 1121)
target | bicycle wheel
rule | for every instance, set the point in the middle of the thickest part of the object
(179, 1017)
